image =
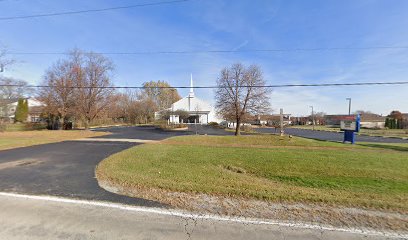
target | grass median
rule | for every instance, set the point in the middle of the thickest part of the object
(9, 140)
(268, 168)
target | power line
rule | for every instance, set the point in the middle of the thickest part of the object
(215, 87)
(91, 10)
(225, 51)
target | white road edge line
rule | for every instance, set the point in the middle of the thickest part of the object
(181, 214)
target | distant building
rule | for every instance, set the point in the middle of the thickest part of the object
(269, 119)
(8, 109)
(198, 111)
(334, 120)
(368, 120)
(301, 121)
(405, 120)
(372, 121)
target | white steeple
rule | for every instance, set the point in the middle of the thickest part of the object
(191, 94)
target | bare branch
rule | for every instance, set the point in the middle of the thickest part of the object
(234, 101)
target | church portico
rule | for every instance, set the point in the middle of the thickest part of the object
(193, 119)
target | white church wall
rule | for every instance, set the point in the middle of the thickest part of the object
(194, 106)
(203, 119)
(213, 117)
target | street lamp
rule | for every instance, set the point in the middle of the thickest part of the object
(313, 118)
(349, 99)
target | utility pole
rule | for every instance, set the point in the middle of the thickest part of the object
(281, 122)
(313, 118)
(349, 99)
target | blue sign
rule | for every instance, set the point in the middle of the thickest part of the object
(350, 126)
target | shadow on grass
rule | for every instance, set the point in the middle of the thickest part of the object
(384, 146)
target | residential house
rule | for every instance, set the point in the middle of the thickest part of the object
(8, 109)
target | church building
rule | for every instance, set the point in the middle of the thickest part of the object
(199, 111)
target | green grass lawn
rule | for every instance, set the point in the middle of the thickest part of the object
(16, 139)
(270, 168)
(385, 132)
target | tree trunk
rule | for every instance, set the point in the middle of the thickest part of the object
(86, 123)
(61, 123)
(238, 127)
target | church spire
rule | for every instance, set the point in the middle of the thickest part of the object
(191, 94)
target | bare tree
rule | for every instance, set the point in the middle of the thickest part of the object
(241, 91)
(136, 108)
(19, 89)
(93, 85)
(59, 97)
(318, 118)
(161, 93)
(79, 86)
(129, 105)
(13, 88)
(4, 61)
(146, 110)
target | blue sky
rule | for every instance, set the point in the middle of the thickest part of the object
(229, 25)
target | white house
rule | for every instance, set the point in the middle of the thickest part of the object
(199, 111)
(8, 109)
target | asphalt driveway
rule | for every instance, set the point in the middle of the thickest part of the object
(64, 169)
(329, 136)
(67, 169)
(141, 132)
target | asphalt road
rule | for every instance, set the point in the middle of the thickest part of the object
(32, 219)
(329, 136)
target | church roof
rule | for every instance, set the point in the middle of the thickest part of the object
(191, 103)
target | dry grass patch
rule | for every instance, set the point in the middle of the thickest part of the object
(10, 140)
